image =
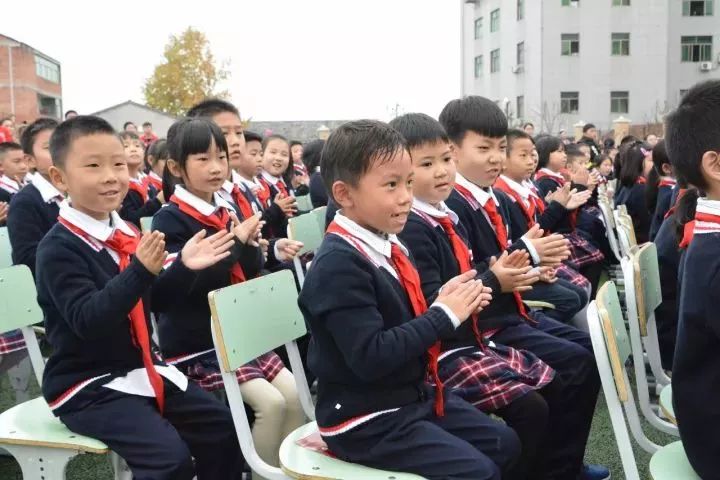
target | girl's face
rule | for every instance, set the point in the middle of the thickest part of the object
(606, 167)
(134, 152)
(557, 160)
(205, 173)
(276, 157)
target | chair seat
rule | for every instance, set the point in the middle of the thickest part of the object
(666, 404)
(32, 423)
(301, 462)
(671, 463)
(538, 304)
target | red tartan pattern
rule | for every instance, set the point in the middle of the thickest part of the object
(206, 372)
(11, 342)
(582, 252)
(573, 276)
(494, 378)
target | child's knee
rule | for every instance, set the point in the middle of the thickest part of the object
(175, 462)
(272, 403)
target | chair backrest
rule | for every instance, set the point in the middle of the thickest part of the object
(648, 294)
(616, 338)
(628, 224)
(5, 248)
(319, 214)
(255, 317)
(146, 224)
(304, 228)
(18, 299)
(303, 203)
(622, 209)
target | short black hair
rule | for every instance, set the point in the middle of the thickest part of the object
(69, 112)
(545, 145)
(474, 114)
(693, 129)
(147, 124)
(70, 130)
(8, 147)
(131, 135)
(295, 142)
(311, 154)
(515, 134)
(419, 129)
(574, 150)
(588, 126)
(274, 136)
(252, 137)
(528, 124)
(212, 106)
(125, 125)
(27, 139)
(354, 147)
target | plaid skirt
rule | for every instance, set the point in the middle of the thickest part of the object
(11, 342)
(572, 276)
(493, 378)
(205, 371)
(582, 252)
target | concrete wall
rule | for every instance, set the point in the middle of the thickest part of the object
(129, 112)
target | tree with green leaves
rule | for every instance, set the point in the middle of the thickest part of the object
(188, 74)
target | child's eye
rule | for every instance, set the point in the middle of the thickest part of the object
(426, 164)
(92, 165)
(447, 159)
(392, 184)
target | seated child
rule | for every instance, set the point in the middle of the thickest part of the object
(156, 155)
(280, 203)
(693, 145)
(95, 276)
(658, 192)
(15, 167)
(636, 159)
(199, 157)
(311, 156)
(374, 338)
(137, 203)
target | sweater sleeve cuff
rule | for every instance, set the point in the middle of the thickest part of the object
(276, 252)
(453, 318)
(531, 250)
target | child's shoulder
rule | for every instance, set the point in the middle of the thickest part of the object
(59, 243)
(28, 194)
(337, 258)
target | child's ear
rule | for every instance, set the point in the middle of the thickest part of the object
(174, 167)
(57, 178)
(342, 194)
(710, 165)
(667, 169)
(30, 161)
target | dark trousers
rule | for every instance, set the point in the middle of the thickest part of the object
(564, 295)
(569, 351)
(463, 444)
(194, 425)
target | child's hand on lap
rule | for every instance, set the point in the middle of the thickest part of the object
(552, 249)
(247, 231)
(514, 272)
(200, 252)
(151, 251)
(287, 249)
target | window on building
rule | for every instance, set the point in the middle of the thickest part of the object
(48, 106)
(570, 3)
(696, 49)
(495, 61)
(520, 9)
(520, 60)
(697, 8)
(495, 20)
(619, 102)
(478, 27)
(569, 102)
(621, 44)
(570, 43)
(46, 69)
(478, 66)
(621, 3)
(520, 107)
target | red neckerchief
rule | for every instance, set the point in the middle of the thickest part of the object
(640, 181)
(242, 202)
(217, 221)
(711, 224)
(410, 281)
(667, 182)
(140, 187)
(263, 193)
(125, 245)
(151, 181)
(529, 210)
(681, 193)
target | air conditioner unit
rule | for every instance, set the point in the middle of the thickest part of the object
(706, 66)
(517, 69)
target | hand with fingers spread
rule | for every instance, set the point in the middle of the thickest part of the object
(464, 299)
(514, 272)
(247, 231)
(287, 204)
(552, 249)
(151, 251)
(286, 249)
(578, 199)
(548, 275)
(202, 252)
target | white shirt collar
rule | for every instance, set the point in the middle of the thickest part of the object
(518, 188)
(428, 209)
(481, 195)
(199, 204)
(549, 172)
(239, 180)
(705, 205)
(10, 182)
(47, 190)
(97, 229)
(378, 244)
(154, 175)
(228, 186)
(271, 178)
(137, 180)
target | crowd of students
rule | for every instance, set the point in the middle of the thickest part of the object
(438, 232)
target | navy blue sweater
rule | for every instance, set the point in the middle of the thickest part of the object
(134, 207)
(86, 301)
(549, 220)
(29, 219)
(666, 315)
(662, 206)
(634, 199)
(184, 322)
(5, 196)
(368, 350)
(696, 368)
(275, 219)
(318, 193)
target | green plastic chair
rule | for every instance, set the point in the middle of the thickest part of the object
(146, 224)
(239, 337)
(666, 404)
(671, 463)
(319, 214)
(303, 203)
(39, 442)
(5, 249)
(612, 350)
(304, 228)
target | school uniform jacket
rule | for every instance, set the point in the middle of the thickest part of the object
(548, 220)
(276, 221)
(184, 320)
(666, 315)
(634, 199)
(8, 188)
(664, 195)
(318, 192)
(86, 301)
(33, 212)
(368, 348)
(137, 205)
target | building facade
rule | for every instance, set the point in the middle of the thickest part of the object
(30, 82)
(130, 111)
(560, 62)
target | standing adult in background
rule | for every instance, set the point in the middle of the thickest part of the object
(651, 139)
(6, 130)
(130, 127)
(148, 135)
(529, 128)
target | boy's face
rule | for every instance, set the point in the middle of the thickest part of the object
(434, 171)
(480, 158)
(591, 133)
(147, 129)
(134, 151)
(276, 157)
(40, 160)
(297, 153)
(232, 128)
(557, 159)
(15, 164)
(382, 198)
(519, 163)
(95, 174)
(252, 163)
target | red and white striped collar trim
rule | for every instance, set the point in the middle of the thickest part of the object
(550, 173)
(429, 213)
(72, 391)
(96, 230)
(201, 205)
(155, 176)
(709, 207)
(9, 185)
(136, 181)
(354, 422)
(518, 188)
(480, 195)
(667, 182)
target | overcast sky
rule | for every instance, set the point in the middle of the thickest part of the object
(289, 59)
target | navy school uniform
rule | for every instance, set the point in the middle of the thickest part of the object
(318, 192)
(275, 218)
(666, 315)
(33, 212)
(634, 199)
(137, 204)
(664, 197)
(696, 366)
(566, 349)
(8, 188)
(369, 354)
(95, 380)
